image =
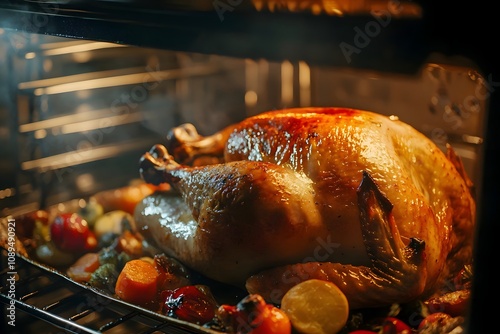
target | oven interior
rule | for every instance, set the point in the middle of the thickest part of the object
(81, 112)
(78, 109)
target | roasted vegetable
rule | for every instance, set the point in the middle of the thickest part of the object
(82, 269)
(316, 306)
(173, 274)
(137, 282)
(111, 256)
(252, 315)
(130, 243)
(434, 319)
(189, 303)
(115, 222)
(441, 323)
(453, 303)
(126, 198)
(104, 278)
(70, 232)
(91, 210)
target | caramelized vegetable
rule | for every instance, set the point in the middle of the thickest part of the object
(104, 278)
(316, 306)
(172, 273)
(252, 315)
(126, 198)
(112, 256)
(441, 323)
(130, 243)
(137, 282)
(83, 268)
(453, 303)
(274, 321)
(189, 303)
(438, 318)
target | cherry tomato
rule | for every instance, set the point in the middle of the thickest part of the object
(253, 316)
(395, 325)
(188, 303)
(70, 232)
(274, 321)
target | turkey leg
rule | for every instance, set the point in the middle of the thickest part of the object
(265, 214)
(186, 144)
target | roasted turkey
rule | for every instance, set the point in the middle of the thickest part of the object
(350, 196)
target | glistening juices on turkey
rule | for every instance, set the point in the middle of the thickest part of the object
(250, 205)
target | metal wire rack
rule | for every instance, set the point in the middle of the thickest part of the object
(46, 301)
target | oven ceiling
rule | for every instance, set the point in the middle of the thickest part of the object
(313, 31)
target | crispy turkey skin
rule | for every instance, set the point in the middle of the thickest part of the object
(351, 196)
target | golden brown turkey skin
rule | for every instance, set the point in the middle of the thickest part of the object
(351, 196)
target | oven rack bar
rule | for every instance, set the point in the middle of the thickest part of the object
(53, 298)
(112, 78)
(74, 158)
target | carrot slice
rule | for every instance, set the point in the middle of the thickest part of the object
(83, 268)
(137, 282)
